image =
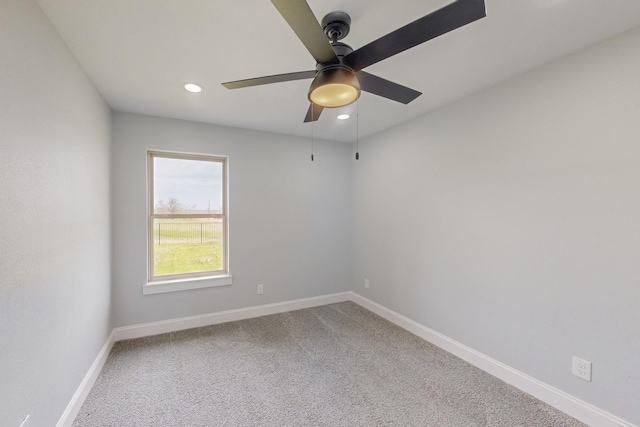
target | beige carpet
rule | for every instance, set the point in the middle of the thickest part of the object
(337, 365)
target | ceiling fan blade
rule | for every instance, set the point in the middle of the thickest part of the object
(385, 88)
(270, 79)
(314, 109)
(450, 17)
(302, 21)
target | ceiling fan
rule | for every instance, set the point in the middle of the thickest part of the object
(338, 77)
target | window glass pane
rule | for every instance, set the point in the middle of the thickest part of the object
(184, 186)
(187, 245)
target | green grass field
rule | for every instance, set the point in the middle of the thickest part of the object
(187, 246)
(187, 258)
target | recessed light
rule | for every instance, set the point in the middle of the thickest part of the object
(343, 116)
(191, 87)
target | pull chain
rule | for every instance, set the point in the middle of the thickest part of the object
(358, 130)
(312, 131)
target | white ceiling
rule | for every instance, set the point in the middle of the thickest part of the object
(140, 53)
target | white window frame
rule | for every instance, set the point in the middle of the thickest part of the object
(185, 281)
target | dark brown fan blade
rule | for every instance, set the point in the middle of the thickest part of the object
(450, 17)
(385, 88)
(300, 18)
(314, 109)
(270, 79)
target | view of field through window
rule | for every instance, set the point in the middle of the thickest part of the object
(188, 216)
(187, 245)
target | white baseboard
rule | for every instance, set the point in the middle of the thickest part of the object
(155, 328)
(69, 414)
(566, 403)
(578, 409)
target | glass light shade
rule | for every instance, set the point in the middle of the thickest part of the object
(334, 87)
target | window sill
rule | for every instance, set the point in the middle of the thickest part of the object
(163, 286)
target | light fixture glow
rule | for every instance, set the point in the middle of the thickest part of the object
(334, 86)
(343, 116)
(194, 88)
(334, 95)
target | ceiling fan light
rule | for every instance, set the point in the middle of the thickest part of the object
(334, 87)
(334, 95)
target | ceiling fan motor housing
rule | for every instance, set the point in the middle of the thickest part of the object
(341, 50)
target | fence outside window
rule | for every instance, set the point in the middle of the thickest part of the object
(192, 232)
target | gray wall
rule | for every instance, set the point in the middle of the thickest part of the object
(507, 221)
(289, 217)
(54, 204)
(510, 222)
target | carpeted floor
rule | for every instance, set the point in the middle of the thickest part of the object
(336, 365)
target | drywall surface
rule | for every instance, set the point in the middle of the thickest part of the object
(289, 217)
(54, 207)
(510, 222)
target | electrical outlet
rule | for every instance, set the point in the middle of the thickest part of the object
(260, 289)
(581, 368)
(366, 283)
(25, 423)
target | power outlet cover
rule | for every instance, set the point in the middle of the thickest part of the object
(581, 368)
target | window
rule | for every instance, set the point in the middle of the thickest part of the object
(187, 234)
